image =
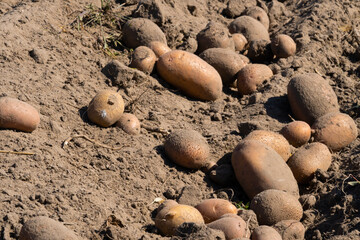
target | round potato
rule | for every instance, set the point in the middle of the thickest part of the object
(227, 62)
(140, 32)
(213, 209)
(18, 115)
(191, 74)
(259, 51)
(105, 108)
(159, 48)
(307, 159)
(232, 225)
(335, 130)
(290, 229)
(258, 167)
(272, 206)
(265, 233)
(143, 58)
(251, 76)
(283, 46)
(251, 28)
(311, 97)
(44, 228)
(239, 41)
(259, 14)
(129, 123)
(297, 133)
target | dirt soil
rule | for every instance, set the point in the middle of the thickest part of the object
(51, 59)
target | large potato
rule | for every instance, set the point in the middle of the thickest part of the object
(232, 225)
(297, 133)
(227, 62)
(272, 206)
(335, 130)
(213, 209)
(143, 58)
(191, 74)
(251, 28)
(311, 97)
(251, 76)
(265, 233)
(18, 115)
(258, 167)
(290, 229)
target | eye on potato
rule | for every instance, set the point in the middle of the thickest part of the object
(143, 59)
(129, 123)
(159, 48)
(251, 76)
(213, 209)
(265, 233)
(259, 14)
(232, 225)
(290, 229)
(251, 28)
(283, 46)
(297, 133)
(239, 41)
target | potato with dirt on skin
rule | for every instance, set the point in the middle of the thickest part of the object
(105, 108)
(251, 28)
(232, 225)
(18, 115)
(239, 41)
(336, 130)
(159, 48)
(265, 233)
(251, 76)
(283, 46)
(297, 133)
(259, 14)
(213, 209)
(259, 51)
(143, 59)
(290, 229)
(129, 123)
(191, 74)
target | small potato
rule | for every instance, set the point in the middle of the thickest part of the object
(213, 209)
(259, 14)
(239, 41)
(143, 58)
(259, 51)
(18, 115)
(105, 108)
(290, 229)
(129, 123)
(191, 74)
(159, 48)
(258, 167)
(274, 140)
(251, 28)
(297, 133)
(265, 233)
(283, 46)
(232, 225)
(251, 76)
(187, 148)
(311, 97)
(44, 228)
(307, 159)
(335, 130)
(272, 206)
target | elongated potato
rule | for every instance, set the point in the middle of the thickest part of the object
(311, 97)
(213, 209)
(265, 233)
(143, 59)
(258, 167)
(335, 130)
(159, 48)
(18, 115)
(251, 28)
(251, 76)
(232, 225)
(290, 229)
(191, 74)
(297, 133)
(283, 46)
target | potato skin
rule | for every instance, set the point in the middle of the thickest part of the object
(297, 133)
(251, 28)
(159, 48)
(259, 14)
(18, 115)
(290, 229)
(283, 46)
(129, 123)
(232, 225)
(311, 97)
(239, 41)
(251, 76)
(213, 209)
(191, 74)
(259, 51)
(335, 130)
(272, 206)
(143, 59)
(265, 233)
(258, 167)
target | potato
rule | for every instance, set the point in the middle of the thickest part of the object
(251, 76)
(311, 97)
(18, 115)
(129, 123)
(44, 228)
(140, 32)
(105, 108)
(259, 51)
(259, 14)
(214, 35)
(191, 74)
(171, 215)
(335, 130)
(274, 140)
(227, 62)
(265, 233)
(239, 41)
(290, 229)
(232, 225)
(159, 48)
(283, 46)
(297, 133)
(251, 28)
(307, 159)
(187, 148)
(272, 206)
(143, 59)
(258, 167)
(213, 209)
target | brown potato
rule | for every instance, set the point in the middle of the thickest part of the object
(239, 41)
(311, 97)
(159, 48)
(274, 140)
(18, 115)
(259, 51)
(251, 28)
(129, 123)
(251, 76)
(227, 62)
(140, 32)
(143, 59)
(290, 229)
(213, 209)
(258, 167)
(283, 46)
(42, 228)
(191, 74)
(335, 130)
(259, 14)
(297, 133)
(187, 148)
(265, 233)
(307, 159)
(105, 108)
(272, 206)
(232, 225)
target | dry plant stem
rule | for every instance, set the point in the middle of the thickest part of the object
(18, 153)
(66, 142)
